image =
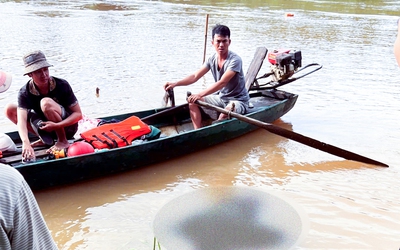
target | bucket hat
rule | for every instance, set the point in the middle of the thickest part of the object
(36, 122)
(35, 60)
(5, 81)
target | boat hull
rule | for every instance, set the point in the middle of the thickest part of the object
(47, 173)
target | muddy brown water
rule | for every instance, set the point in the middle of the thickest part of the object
(129, 49)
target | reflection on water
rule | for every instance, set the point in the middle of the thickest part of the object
(128, 49)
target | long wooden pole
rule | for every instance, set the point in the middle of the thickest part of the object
(296, 137)
(205, 39)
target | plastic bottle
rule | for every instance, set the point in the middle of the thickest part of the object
(60, 153)
(29, 160)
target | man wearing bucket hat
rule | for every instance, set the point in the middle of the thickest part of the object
(47, 106)
(22, 225)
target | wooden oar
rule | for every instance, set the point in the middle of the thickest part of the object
(296, 137)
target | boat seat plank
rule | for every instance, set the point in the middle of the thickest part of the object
(255, 66)
(18, 157)
(11, 153)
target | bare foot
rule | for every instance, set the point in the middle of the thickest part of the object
(223, 116)
(58, 146)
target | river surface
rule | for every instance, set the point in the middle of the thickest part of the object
(129, 49)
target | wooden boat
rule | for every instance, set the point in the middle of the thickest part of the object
(177, 138)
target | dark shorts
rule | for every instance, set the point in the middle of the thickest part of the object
(69, 131)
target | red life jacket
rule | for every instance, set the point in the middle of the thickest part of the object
(114, 135)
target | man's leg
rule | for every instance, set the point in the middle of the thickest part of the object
(53, 112)
(195, 114)
(234, 106)
(229, 107)
(10, 112)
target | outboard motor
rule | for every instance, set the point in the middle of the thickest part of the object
(284, 63)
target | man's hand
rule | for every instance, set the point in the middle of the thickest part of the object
(48, 126)
(193, 98)
(169, 85)
(27, 152)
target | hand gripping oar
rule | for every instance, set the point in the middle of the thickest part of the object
(296, 137)
(169, 96)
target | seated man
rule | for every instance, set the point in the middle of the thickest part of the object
(49, 102)
(226, 67)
